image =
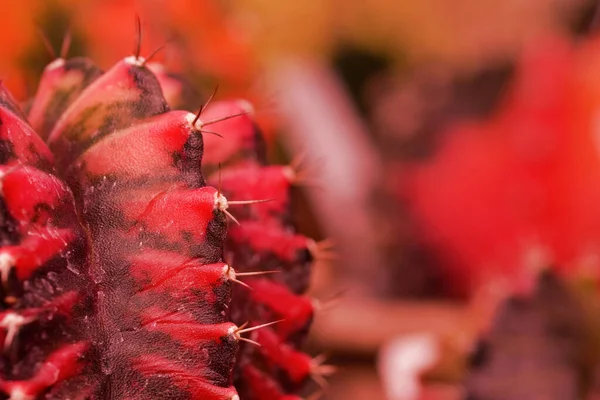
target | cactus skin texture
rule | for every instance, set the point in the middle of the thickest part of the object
(117, 270)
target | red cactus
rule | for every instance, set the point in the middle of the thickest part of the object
(525, 179)
(122, 289)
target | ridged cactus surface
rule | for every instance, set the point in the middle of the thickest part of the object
(124, 275)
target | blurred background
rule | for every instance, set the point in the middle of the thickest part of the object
(451, 153)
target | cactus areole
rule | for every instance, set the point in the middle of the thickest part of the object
(119, 278)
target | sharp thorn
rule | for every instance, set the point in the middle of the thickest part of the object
(241, 283)
(325, 370)
(66, 44)
(298, 160)
(197, 117)
(232, 217)
(207, 102)
(249, 341)
(205, 105)
(46, 42)
(320, 359)
(255, 273)
(212, 132)
(219, 187)
(243, 202)
(239, 331)
(138, 42)
(214, 121)
(245, 324)
(153, 54)
(320, 380)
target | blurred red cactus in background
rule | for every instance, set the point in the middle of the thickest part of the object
(524, 181)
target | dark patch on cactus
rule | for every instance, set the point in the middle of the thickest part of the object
(7, 152)
(187, 161)
(9, 233)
